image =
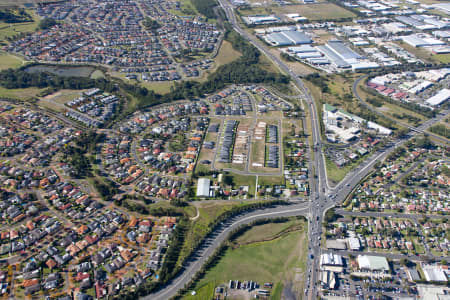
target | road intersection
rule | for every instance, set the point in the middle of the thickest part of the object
(323, 197)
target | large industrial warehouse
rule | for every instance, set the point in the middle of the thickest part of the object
(287, 38)
(343, 57)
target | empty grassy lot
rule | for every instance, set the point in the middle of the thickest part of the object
(8, 61)
(393, 110)
(158, 87)
(208, 211)
(243, 180)
(334, 173)
(262, 254)
(225, 55)
(443, 58)
(186, 9)
(298, 67)
(270, 180)
(21, 94)
(10, 30)
(317, 11)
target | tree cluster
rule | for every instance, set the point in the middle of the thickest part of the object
(150, 24)
(205, 7)
(106, 189)
(10, 16)
(47, 23)
(19, 79)
(441, 129)
(75, 155)
(319, 81)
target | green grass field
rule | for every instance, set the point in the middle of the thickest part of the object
(208, 213)
(225, 55)
(421, 53)
(10, 30)
(242, 180)
(261, 232)
(270, 180)
(186, 9)
(21, 94)
(334, 173)
(8, 61)
(443, 58)
(271, 261)
(97, 74)
(317, 11)
(159, 87)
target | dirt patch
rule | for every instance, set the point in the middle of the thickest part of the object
(288, 292)
(51, 96)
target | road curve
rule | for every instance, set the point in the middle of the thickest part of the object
(214, 240)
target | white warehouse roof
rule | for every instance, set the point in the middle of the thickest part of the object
(203, 187)
(373, 263)
(434, 273)
(331, 259)
(442, 96)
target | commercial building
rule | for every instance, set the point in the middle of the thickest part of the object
(442, 96)
(336, 244)
(421, 40)
(342, 57)
(373, 263)
(203, 187)
(412, 274)
(354, 244)
(434, 273)
(331, 262)
(261, 19)
(287, 38)
(340, 49)
(328, 280)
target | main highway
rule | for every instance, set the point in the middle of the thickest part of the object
(215, 239)
(322, 196)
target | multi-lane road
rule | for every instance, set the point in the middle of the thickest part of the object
(322, 196)
(214, 240)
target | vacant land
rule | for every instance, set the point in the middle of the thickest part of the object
(334, 173)
(208, 154)
(97, 74)
(270, 180)
(392, 110)
(208, 211)
(64, 96)
(317, 11)
(257, 155)
(298, 67)
(21, 94)
(226, 54)
(421, 53)
(11, 30)
(186, 8)
(266, 253)
(244, 180)
(159, 87)
(443, 58)
(8, 61)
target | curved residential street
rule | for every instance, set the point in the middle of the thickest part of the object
(322, 197)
